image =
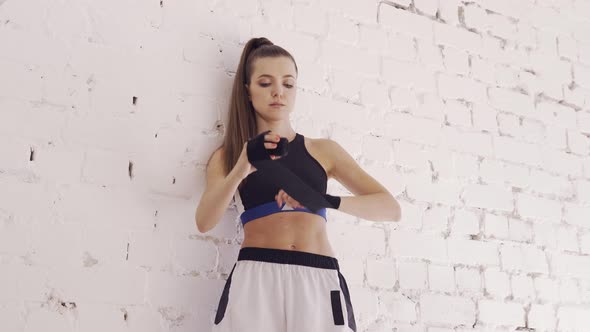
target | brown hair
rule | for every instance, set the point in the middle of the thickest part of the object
(242, 117)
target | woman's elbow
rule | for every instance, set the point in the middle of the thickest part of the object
(201, 227)
(397, 210)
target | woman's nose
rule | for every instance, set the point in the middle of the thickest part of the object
(277, 91)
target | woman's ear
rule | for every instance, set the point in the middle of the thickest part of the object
(248, 93)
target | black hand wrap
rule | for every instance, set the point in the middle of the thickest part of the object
(333, 200)
(257, 151)
(277, 174)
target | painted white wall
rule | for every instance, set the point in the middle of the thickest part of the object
(474, 114)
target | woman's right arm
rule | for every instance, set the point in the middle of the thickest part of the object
(220, 187)
(219, 190)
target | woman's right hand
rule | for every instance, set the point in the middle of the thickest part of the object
(243, 164)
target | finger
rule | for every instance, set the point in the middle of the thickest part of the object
(271, 142)
(284, 196)
(271, 138)
(291, 202)
(270, 145)
(295, 203)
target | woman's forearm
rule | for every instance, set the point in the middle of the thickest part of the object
(214, 204)
(374, 207)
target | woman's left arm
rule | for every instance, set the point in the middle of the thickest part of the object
(371, 200)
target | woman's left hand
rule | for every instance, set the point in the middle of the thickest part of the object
(282, 196)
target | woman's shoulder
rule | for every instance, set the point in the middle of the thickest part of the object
(322, 143)
(217, 160)
(217, 154)
(320, 149)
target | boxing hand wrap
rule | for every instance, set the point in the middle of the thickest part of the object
(256, 150)
(333, 200)
(277, 174)
(281, 176)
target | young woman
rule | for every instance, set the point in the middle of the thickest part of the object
(286, 277)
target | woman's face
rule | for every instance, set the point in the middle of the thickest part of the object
(274, 80)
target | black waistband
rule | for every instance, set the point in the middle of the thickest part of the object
(282, 256)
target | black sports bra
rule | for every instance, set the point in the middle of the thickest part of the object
(258, 196)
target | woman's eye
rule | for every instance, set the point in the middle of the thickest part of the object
(267, 84)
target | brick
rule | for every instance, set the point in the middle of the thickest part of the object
(501, 313)
(441, 278)
(443, 309)
(414, 245)
(381, 273)
(412, 275)
(497, 283)
(472, 252)
(573, 318)
(524, 258)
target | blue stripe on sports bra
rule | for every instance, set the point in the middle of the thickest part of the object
(272, 207)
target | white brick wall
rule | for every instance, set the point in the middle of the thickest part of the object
(483, 108)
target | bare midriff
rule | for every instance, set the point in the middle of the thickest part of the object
(292, 230)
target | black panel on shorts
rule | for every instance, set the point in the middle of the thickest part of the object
(224, 299)
(337, 307)
(344, 287)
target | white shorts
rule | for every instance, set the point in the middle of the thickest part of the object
(275, 290)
